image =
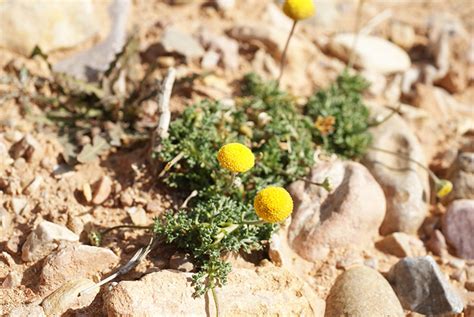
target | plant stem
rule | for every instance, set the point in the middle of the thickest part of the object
(231, 182)
(134, 261)
(216, 302)
(283, 55)
(225, 231)
(170, 164)
(406, 157)
(193, 194)
(122, 227)
(394, 111)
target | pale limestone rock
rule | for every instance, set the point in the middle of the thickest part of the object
(74, 262)
(49, 24)
(67, 297)
(267, 291)
(44, 239)
(405, 183)
(371, 53)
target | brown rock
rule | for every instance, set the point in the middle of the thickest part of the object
(437, 244)
(401, 245)
(75, 262)
(360, 292)
(455, 79)
(126, 199)
(102, 190)
(27, 148)
(267, 291)
(322, 221)
(469, 285)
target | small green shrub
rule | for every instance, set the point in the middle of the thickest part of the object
(283, 141)
(209, 230)
(265, 120)
(340, 117)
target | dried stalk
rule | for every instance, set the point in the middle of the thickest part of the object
(283, 56)
(161, 131)
(138, 256)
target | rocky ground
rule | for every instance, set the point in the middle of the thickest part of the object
(379, 244)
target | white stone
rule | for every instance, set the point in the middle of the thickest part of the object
(176, 41)
(49, 24)
(210, 60)
(371, 53)
(225, 4)
(87, 65)
(138, 216)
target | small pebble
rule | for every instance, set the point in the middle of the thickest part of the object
(102, 190)
(33, 186)
(138, 216)
(153, 206)
(12, 280)
(126, 199)
(18, 204)
(87, 192)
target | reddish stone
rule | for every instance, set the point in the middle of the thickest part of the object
(458, 227)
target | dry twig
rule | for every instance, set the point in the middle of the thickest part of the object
(161, 131)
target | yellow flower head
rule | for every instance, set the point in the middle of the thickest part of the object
(273, 204)
(299, 9)
(236, 157)
(443, 188)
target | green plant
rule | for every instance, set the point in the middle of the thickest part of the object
(340, 117)
(265, 119)
(211, 229)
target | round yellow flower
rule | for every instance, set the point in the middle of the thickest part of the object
(273, 204)
(443, 188)
(236, 157)
(299, 9)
